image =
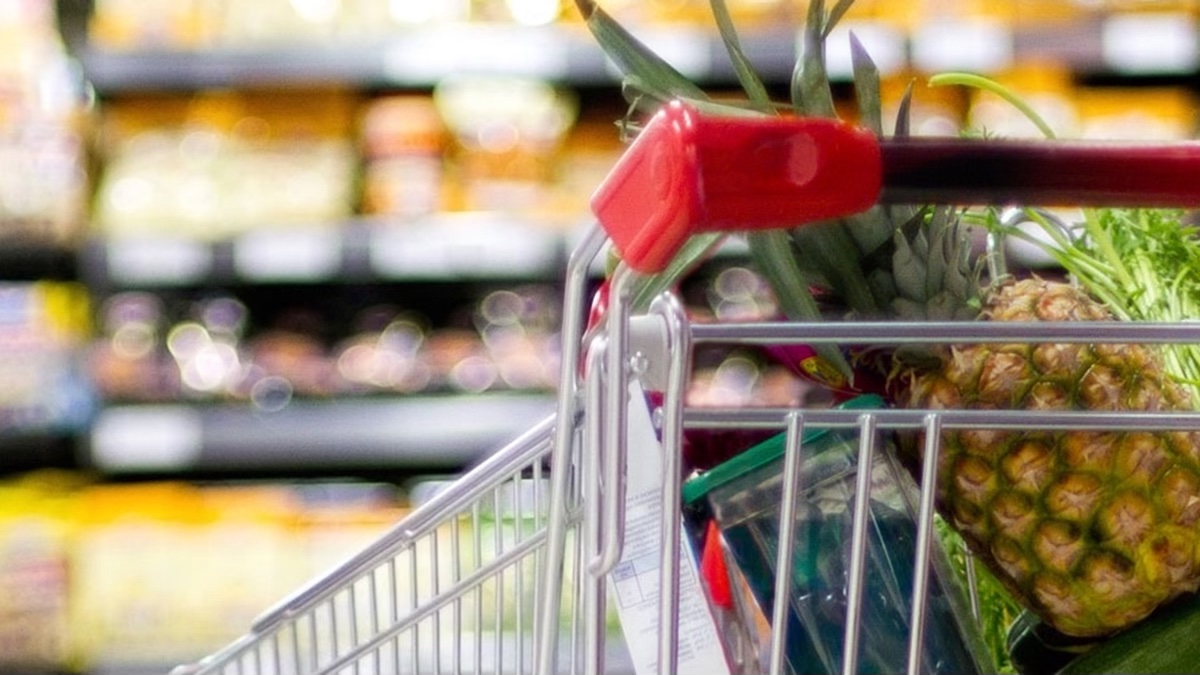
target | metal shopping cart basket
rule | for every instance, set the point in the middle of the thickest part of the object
(520, 565)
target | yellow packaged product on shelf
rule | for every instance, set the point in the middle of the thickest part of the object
(508, 133)
(1108, 6)
(35, 561)
(1137, 113)
(167, 571)
(903, 15)
(340, 518)
(1011, 13)
(266, 22)
(215, 165)
(164, 572)
(145, 24)
(1044, 13)
(946, 10)
(588, 154)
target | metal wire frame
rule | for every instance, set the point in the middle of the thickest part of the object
(451, 588)
(871, 425)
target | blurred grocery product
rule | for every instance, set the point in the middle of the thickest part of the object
(219, 348)
(1143, 113)
(43, 127)
(404, 142)
(127, 361)
(213, 165)
(146, 575)
(164, 572)
(190, 24)
(43, 326)
(385, 353)
(508, 132)
(35, 564)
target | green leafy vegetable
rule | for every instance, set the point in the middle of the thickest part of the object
(1144, 264)
(998, 609)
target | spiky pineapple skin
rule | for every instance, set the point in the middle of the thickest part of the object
(1093, 530)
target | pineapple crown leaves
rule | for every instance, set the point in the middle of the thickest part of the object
(936, 279)
(933, 270)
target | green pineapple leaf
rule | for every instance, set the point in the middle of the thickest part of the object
(904, 114)
(835, 255)
(872, 229)
(902, 213)
(866, 87)
(634, 58)
(753, 85)
(695, 250)
(649, 81)
(811, 93)
(835, 15)
(940, 249)
(909, 270)
(774, 258)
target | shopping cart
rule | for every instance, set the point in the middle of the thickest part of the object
(518, 565)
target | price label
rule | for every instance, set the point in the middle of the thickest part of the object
(462, 250)
(147, 438)
(979, 45)
(158, 260)
(431, 54)
(1150, 43)
(417, 255)
(310, 254)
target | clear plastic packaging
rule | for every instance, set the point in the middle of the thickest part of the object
(744, 496)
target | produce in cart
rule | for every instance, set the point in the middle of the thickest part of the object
(1091, 530)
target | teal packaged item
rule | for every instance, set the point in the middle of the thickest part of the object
(744, 496)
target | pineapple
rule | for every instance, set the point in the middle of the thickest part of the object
(1092, 531)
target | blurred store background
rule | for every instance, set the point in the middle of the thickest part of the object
(269, 270)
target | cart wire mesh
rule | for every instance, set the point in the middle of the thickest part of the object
(451, 588)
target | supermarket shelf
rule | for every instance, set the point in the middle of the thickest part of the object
(416, 57)
(1101, 43)
(29, 261)
(28, 450)
(443, 247)
(420, 57)
(427, 431)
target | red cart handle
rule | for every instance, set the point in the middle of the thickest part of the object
(688, 173)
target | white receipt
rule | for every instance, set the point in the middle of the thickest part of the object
(633, 584)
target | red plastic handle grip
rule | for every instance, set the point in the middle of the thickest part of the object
(687, 173)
